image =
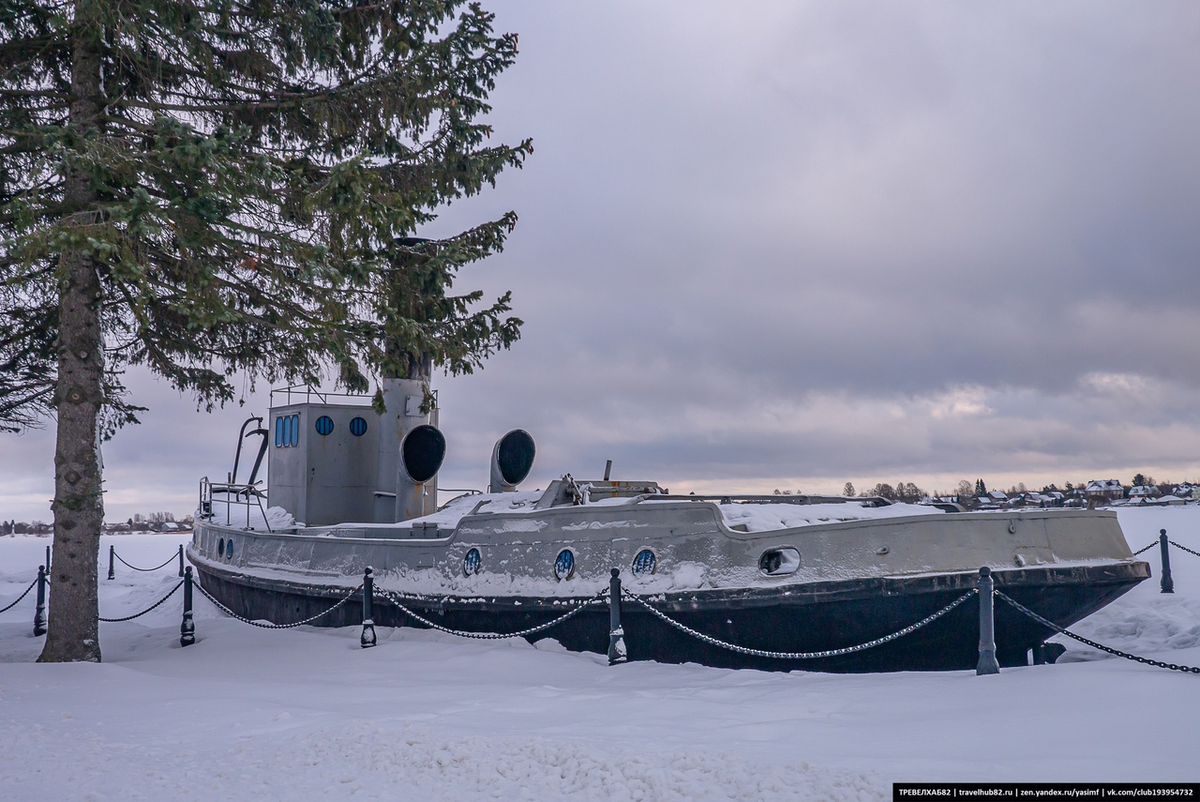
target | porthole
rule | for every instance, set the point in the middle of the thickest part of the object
(779, 562)
(564, 565)
(358, 427)
(221, 548)
(295, 428)
(280, 423)
(229, 549)
(472, 562)
(324, 425)
(644, 563)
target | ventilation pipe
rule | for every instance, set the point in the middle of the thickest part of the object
(396, 496)
(512, 459)
(421, 453)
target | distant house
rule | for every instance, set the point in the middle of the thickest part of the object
(1099, 492)
(1144, 492)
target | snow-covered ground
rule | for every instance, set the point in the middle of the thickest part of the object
(306, 714)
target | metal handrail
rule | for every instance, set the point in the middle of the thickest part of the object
(250, 491)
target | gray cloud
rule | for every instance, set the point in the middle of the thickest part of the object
(817, 242)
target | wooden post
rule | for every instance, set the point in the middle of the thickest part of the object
(987, 625)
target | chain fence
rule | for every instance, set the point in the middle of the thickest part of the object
(170, 560)
(395, 599)
(23, 595)
(614, 593)
(801, 655)
(268, 625)
(1184, 548)
(1092, 643)
(178, 585)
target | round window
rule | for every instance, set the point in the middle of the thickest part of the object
(221, 548)
(324, 425)
(358, 427)
(644, 563)
(564, 565)
(472, 562)
(229, 548)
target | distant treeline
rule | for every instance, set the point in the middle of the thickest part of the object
(154, 522)
(909, 492)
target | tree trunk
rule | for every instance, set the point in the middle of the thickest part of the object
(73, 627)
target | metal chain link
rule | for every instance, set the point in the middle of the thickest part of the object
(489, 635)
(23, 595)
(170, 560)
(1145, 548)
(1185, 548)
(1093, 644)
(802, 655)
(260, 624)
(143, 612)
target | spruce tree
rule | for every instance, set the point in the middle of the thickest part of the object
(221, 187)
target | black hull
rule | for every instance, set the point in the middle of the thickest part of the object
(801, 618)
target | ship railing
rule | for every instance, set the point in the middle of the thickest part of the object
(305, 394)
(238, 500)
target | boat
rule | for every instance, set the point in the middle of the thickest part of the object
(353, 487)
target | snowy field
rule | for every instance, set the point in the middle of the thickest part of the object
(306, 714)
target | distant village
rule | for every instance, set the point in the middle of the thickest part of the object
(1087, 495)
(1090, 495)
(1096, 493)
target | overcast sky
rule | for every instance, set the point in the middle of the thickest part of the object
(811, 243)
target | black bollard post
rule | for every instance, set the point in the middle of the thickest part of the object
(112, 550)
(39, 615)
(616, 633)
(47, 559)
(987, 626)
(181, 559)
(368, 631)
(1166, 583)
(187, 630)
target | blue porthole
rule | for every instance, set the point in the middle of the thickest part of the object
(324, 425)
(229, 549)
(280, 423)
(472, 562)
(358, 427)
(295, 424)
(564, 565)
(221, 548)
(644, 562)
